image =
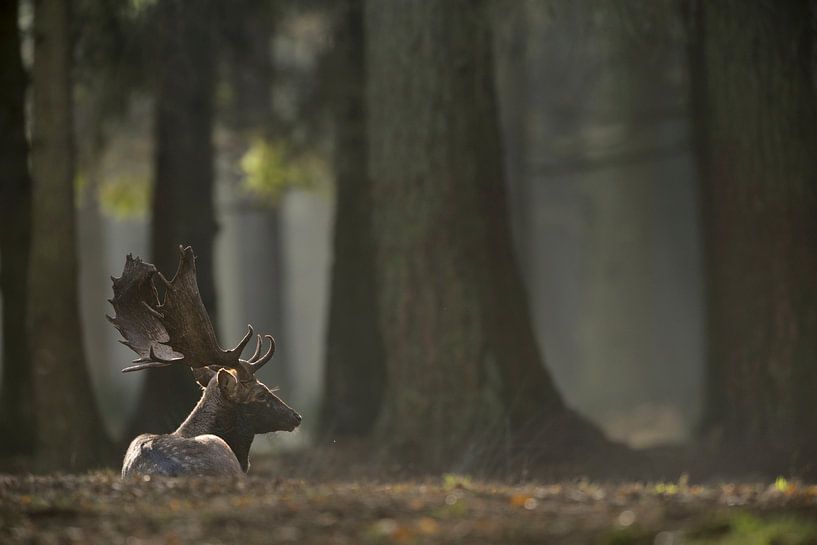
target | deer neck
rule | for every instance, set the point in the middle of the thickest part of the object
(215, 415)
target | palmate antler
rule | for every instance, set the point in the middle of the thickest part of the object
(177, 331)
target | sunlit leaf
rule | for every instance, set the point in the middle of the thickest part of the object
(519, 500)
(781, 484)
(452, 481)
(670, 489)
(125, 197)
(271, 167)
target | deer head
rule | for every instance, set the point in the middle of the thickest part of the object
(178, 331)
(258, 406)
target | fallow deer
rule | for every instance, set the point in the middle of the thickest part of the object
(215, 438)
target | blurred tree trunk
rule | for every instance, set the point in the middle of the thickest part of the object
(250, 28)
(354, 373)
(465, 376)
(16, 396)
(183, 208)
(756, 122)
(69, 430)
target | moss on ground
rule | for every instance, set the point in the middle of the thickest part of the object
(747, 529)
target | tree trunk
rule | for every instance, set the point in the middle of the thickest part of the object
(16, 396)
(183, 206)
(69, 430)
(250, 27)
(355, 374)
(757, 138)
(465, 376)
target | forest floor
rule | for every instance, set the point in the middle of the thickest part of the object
(283, 507)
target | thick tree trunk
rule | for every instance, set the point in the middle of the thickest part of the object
(757, 127)
(465, 377)
(249, 27)
(69, 430)
(355, 370)
(16, 396)
(247, 39)
(183, 206)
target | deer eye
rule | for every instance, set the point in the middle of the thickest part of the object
(259, 397)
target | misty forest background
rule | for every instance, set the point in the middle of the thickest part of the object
(486, 235)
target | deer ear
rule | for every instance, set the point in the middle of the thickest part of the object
(227, 383)
(203, 375)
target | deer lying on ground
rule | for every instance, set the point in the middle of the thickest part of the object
(215, 438)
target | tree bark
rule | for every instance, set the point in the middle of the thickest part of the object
(16, 396)
(70, 433)
(183, 211)
(354, 375)
(756, 123)
(465, 376)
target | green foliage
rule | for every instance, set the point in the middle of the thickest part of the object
(628, 536)
(122, 197)
(781, 484)
(738, 529)
(668, 489)
(745, 529)
(270, 167)
(125, 197)
(453, 480)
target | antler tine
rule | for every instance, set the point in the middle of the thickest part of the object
(163, 278)
(257, 364)
(160, 359)
(257, 349)
(150, 365)
(151, 361)
(255, 357)
(239, 348)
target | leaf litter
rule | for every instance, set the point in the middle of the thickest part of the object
(99, 508)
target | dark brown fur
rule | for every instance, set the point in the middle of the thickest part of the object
(215, 438)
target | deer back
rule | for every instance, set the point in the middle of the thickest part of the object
(174, 456)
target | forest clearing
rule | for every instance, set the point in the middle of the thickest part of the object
(99, 508)
(516, 272)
